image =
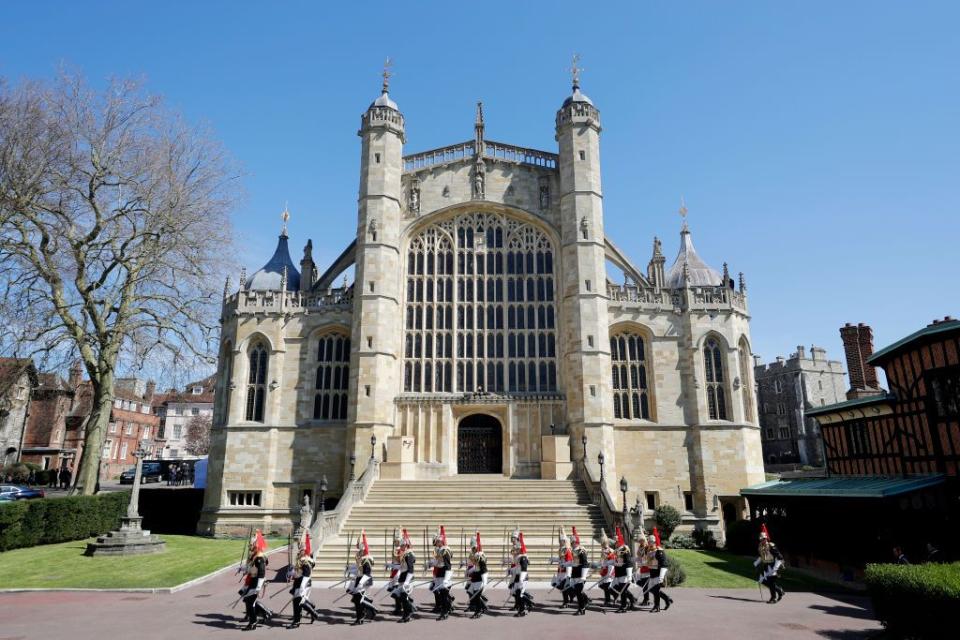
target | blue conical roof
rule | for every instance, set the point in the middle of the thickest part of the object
(268, 277)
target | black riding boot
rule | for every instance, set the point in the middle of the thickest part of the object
(606, 593)
(667, 599)
(646, 591)
(656, 598)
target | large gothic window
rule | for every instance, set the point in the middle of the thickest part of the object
(481, 311)
(257, 383)
(333, 369)
(630, 396)
(716, 380)
(746, 381)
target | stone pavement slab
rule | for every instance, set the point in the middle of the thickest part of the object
(203, 611)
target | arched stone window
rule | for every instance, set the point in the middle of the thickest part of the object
(630, 394)
(257, 382)
(480, 308)
(333, 371)
(746, 381)
(716, 380)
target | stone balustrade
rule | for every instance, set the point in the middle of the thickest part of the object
(520, 155)
(497, 151)
(701, 297)
(288, 301)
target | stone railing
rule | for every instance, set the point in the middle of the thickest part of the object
(443, 155)
(521, 155)
(608, 506)
(288, 301)
(701, 297)
(375, 115)
(327, 524)
(498, 151)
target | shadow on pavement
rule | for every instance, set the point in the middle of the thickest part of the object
(755, 600)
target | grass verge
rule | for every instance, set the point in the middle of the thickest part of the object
(58, 566)
(720, 570)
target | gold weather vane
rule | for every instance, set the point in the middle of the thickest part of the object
(683, 212)
(285, 216)
(386, 74)
(576, 70)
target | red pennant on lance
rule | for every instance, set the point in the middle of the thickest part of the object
(258, 542)
(656, 535)
(479, 545)
(405, 540)
(523, 545)
(764, 531)
(307, 547)
(620, 540)
(576, 537)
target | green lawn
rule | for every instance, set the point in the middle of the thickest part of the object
(716, 569)
(64, 565)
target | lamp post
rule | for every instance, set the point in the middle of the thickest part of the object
(323, 491)
(553, 429)
(353, 461)
(601, 459)
(583, 441)
(623, 490)
(373, 447)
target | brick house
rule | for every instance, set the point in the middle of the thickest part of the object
(176, 409)
(47, 440)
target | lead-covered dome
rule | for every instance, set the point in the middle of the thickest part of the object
(699, 273)
(270, 275)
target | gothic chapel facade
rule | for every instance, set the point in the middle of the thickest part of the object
(481, 319)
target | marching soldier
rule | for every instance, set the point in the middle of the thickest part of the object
(442, 564)
(253, 582)
(403, 590)
(658, 573)
(394, 568)
(645, 559)
(523, 601)
(579, 571)
(363, 579)
(769, 560)
(623, 574)
(476, 578)
(302, 582)
(607, 562)
(564, 569)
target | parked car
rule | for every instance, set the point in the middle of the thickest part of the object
(151, 472)
(20, 492)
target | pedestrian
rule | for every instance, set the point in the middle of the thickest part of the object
(67, 477)
(769, 560)
(172, 479)
(658, 573)
(901, 557)
(53, 477)
(190, 475)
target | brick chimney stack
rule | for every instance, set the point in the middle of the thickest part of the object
(858, 346)
(76, 375)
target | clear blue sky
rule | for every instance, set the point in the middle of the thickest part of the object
(816, 143)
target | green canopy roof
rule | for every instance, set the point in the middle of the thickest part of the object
(844, 487)
(929, 330)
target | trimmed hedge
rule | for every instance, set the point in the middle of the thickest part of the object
(27, 523)
(915, 601)
(676, 575)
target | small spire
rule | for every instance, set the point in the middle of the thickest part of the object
(243, 277)
(478, 130)
(575, 71)
(285, 216)
(308, 250)
(283, 279)
(657, 248)
(226, 287)
(387, 64)
(743, 283)
(726, 275)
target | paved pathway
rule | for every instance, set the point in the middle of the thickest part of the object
(203, 611)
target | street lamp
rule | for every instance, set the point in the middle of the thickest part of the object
(623, 490)
(553, 428)
(373, 447)
(600, 459)
(353, 461)
(583, 440)
(323, 490)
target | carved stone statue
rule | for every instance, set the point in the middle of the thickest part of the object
(306, 513)
(479, 175)
(414, 203)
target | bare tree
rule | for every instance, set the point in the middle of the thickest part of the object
(197, 441)
(113, 228)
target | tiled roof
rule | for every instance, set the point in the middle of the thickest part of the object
(851, 404)
(929, 330)
(844, 487)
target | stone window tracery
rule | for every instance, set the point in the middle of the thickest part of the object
(257, 383)
(333, 371)
(630, 394)
(746, 387)
(716, 380)
(481, 310)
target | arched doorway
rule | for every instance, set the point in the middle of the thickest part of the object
(479, 445)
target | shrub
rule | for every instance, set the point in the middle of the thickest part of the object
(741, 537)
(676, 575)
(18, 472)
(704, 539)
(26, 523)
(680, 541)
(667, 519)
(915, 601)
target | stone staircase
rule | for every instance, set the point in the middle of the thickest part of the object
(462, 504)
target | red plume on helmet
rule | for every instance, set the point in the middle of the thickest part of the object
(576, 537)
(405, 539)
(365, 548)
(443, 535)
(307, 547)
(656, 535)
(523, 545)
(259, 544)
(620, 541)
(764, 532)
